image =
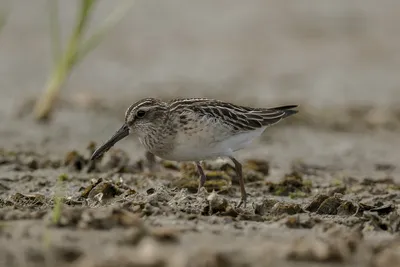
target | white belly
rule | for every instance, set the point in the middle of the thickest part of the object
(202, 146)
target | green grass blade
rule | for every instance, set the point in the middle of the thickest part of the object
(85, 10)
(74, 51)
(110, 22)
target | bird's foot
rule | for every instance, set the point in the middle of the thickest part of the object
(201, 190)
(242, 201)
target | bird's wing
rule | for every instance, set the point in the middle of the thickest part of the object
(239, 118)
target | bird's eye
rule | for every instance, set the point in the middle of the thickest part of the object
(140, 113)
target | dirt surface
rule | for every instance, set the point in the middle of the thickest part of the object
(324, 185)
(68, 211)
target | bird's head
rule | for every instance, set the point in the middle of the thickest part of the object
(141, 118)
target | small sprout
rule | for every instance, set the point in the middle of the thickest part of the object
(63, 177)
(337, 182)
(58, 199)
(56, 215)
(279, 191)
(307, 182)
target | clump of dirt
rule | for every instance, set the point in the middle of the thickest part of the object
(258, 165)
(291, 185)
(216, 181)
(220, 175)
(275, 207)
(288, 208)
(101, 190)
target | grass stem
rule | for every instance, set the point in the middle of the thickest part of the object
(74, 52)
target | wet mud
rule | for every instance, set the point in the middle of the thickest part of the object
(70, 211)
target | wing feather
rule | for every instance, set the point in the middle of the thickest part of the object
(239, 118)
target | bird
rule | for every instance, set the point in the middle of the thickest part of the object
(196, 129)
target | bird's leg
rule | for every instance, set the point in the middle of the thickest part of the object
(202, 175)
(239, 173)
(151, 160)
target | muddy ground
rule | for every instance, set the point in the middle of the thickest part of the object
(324, 185)
(304, 208)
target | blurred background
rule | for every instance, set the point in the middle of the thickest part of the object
(340, 60)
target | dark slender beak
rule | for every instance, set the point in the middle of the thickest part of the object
(119, 135)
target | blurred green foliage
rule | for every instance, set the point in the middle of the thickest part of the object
(65, 59)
